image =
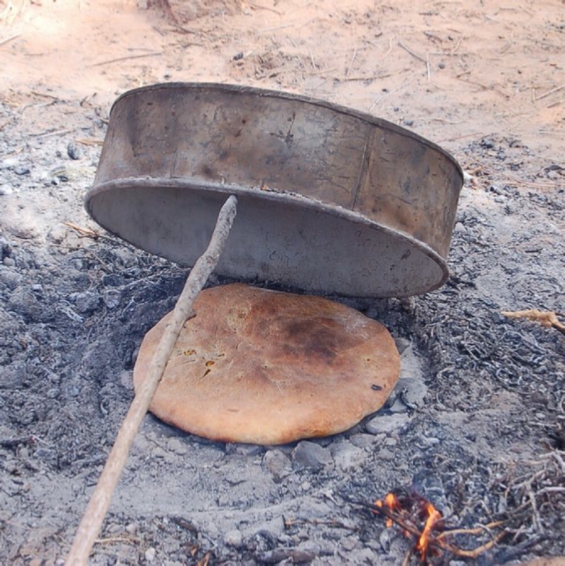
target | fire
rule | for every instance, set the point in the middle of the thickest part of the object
(392, 503)
(416, 515)
(424, 525)
(433, 517)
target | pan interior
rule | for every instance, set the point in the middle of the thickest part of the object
(277, 238)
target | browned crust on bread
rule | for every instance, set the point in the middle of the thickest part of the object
(266, 367)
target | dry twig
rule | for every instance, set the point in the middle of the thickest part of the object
(126, 58)
(549, 93)
(545, 318)
(531, 494)
(83, 232)
(100, 500)
(259, 7)
(8, 39)
(87, 141)
(413, 53)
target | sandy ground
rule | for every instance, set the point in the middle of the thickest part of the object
(485, 80)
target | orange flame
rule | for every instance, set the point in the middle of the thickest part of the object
(433, 516)
(391, 502)
(409, 511)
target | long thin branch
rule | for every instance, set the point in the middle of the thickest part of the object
(96, 511)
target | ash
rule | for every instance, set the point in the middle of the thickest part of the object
(477, 425)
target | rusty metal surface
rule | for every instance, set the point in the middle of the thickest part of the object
(330, 200)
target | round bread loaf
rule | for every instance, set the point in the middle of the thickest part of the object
(266, 367)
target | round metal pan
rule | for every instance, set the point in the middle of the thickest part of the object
(330, 199)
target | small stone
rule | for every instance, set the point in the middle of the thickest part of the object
(150, 554)
(387, 424)
(363, 440)
(5, 190)
(141, 444)
(125, 257)
(57, 234)
(398, 406)
(158, 452)
(349, 543)
(402, 344)
(175, 445)
(278, 464)
(22, 170)
(5, 250)
(13, 376)
(11, 466)
(9, 277)
(410, 366)
(74, 391)
(311, 455)
(365, 556)
(233, 538)
(22, 227)
(23, 452)
(86, 302)
(413, 391)
(385, 539)
(112, 298)
(52, 376)
(126, 380)
(132, 528)
(9, 262)
(73, 151)
(24, 302)
(8, 162)
(243, 449)
(310, 546)
(429, 441)
(346, 456)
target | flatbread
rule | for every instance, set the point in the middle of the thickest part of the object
(265, 367)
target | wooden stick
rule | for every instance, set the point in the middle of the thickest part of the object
(97, 507)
